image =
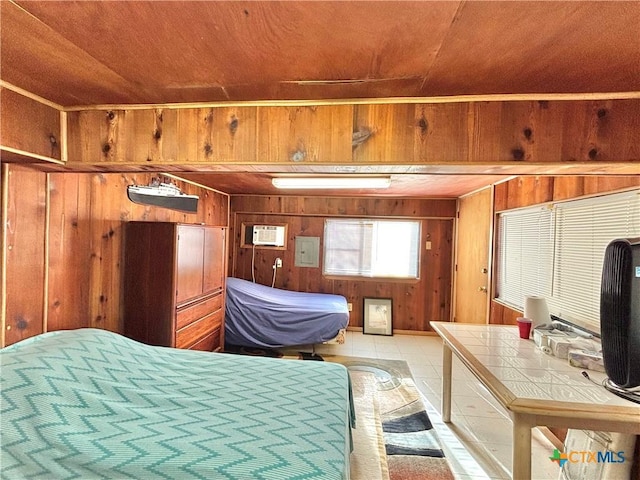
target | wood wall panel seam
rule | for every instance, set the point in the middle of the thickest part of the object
(64, 138)
(47, 230)
(3, 253)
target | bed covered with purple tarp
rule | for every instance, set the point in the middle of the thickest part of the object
(261, 316)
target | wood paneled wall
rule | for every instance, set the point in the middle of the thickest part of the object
(360, 206)
(532, 190)
(415, 303)
(501, 132)
(156, 136)
(29, 127)
(64, 246)
(527, 191)
(24, 252)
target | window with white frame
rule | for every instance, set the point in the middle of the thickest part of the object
(371, 248)
(557, 251)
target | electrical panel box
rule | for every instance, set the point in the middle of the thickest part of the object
(268, 235)
(307, 251)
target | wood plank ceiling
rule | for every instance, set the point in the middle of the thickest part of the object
(81, 54)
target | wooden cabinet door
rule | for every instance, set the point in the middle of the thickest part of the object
(214, 255)
(472, 285)
(189, 262)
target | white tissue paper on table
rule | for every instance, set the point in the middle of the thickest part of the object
(535, 308)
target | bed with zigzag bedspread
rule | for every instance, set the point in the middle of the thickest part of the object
(90, 404)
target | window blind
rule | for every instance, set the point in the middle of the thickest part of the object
(584, 229)
(371, 248)
(525, 255)
(347, 247)
(558, 251)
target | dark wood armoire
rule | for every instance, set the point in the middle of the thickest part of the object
(174, 278)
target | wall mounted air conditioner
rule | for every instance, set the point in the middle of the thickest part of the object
(268, 235)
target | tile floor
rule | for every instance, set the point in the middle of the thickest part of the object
(478, 440)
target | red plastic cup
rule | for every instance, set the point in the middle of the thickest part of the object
(524, 326)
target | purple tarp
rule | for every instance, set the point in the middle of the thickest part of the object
(261, 316)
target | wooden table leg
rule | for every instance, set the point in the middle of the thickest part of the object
(521, 453)
(446, 383)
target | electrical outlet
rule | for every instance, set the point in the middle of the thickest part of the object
(278, 263)
(350, 307)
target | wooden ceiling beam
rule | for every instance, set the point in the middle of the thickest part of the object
(598, 136)
(499, 133)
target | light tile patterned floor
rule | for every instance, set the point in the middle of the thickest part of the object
(478, 441)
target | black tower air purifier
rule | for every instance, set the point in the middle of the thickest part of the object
(620, 315)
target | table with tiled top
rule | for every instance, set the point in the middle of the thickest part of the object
(535, 388)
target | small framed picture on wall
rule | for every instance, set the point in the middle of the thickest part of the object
(378, 319)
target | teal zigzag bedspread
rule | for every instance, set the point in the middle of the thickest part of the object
(92, 404)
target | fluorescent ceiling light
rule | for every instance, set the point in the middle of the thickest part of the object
(331, 182)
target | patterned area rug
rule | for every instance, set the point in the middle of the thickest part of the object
(394, 438)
